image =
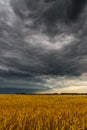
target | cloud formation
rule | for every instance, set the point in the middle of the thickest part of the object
(44, 37)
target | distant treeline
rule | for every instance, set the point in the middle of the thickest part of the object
(53, 93)
(73, 94)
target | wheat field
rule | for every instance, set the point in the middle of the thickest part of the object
(43, 112)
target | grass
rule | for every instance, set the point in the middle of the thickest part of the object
(43, 112)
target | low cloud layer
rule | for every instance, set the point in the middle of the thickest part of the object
(43, 38)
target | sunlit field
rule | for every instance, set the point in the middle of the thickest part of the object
(43, 112)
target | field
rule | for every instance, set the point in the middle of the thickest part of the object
(43, 112)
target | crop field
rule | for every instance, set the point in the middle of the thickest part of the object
(43, 112)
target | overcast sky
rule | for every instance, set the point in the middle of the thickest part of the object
(43, 45)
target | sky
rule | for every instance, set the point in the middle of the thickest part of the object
(43, 46)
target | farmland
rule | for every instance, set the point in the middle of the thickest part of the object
(43, 112)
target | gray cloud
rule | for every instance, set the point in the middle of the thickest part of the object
(43, 38)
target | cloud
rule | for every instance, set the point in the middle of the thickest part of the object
(71, 89)
(43, 38)
(66, 84)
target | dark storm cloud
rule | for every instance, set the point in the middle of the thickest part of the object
(76, 8)
(49, 12)
(27, 19)
(22, 85)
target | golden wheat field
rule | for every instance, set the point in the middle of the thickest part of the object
(43, 112)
